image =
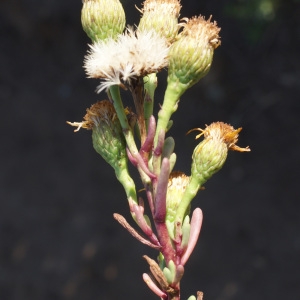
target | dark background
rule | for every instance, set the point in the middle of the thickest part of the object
(58, 239)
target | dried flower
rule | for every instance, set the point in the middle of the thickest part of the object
(131, 55)
(102, 19)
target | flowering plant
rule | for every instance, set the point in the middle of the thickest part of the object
(130, 59)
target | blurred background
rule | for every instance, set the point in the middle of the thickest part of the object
(58, 239)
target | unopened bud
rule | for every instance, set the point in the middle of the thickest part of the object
(176, 187)
(107, 135)
(190, 57)
(208, 158)
(210, 155)
(102, 19)
(161, 16)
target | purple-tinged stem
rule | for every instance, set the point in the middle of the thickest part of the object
(160, 212)
(165, 241)
(159, 148)
(157, 157)
(147, 146)
(161, 191)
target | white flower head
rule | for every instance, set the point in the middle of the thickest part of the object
(131, 55)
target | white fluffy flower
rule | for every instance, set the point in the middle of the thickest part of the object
(133, 54)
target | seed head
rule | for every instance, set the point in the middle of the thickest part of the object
(131, 55)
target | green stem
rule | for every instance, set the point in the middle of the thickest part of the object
(128, 134)
(172, 94)
(118, 104)
(137, 88)
(125, 179)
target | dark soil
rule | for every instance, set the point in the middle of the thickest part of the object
(58, 239)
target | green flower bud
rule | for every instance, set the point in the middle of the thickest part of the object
(108, 138)
(176, 187)
(161, 16)
(107, 134)
(109, 141)
(190, 57)
(102, 19)
(209, 156)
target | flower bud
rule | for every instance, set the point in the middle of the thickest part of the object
(190, 57)
(176, 187)
(208, 158)
(107, 135)
(210, 155)
(161, 16)
(102, 19)
(109, 141)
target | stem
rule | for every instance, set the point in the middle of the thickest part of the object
(125, 179)
(172, 94)
(161, 192)
(159, 216)
(117, 102)
(128, 134)
(165, 241)
(136, 89)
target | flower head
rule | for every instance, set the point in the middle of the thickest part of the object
(102, 19)
(191, 55)
(162, 16)
(210, 154)
(131, 55)
(107, 134)
(176, 187)
(177, 184)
